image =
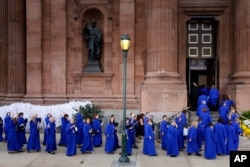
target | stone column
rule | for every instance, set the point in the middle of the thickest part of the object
(16, 49)
(163, 89)
(3, 47)
(34, 52)
(239, 86)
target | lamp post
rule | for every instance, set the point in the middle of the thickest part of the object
(124, 42)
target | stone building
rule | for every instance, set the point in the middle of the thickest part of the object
(43, 54)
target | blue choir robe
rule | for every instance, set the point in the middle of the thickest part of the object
(132, 131)
(221, 137)
(45, 130)
(192, 146)
(183, 119)
(214, 96)
(180, 137)
(200, 135)
(234, 117)
(210, 144)
(128, 143)
(63, 134)
(237, 132)
(229, 103)
(149, 141)
(12, 142)
(223, 112)
(202, 98)
(172, 144)
(200, 109)
(230, 139)
(109, 133)
(205, 119)
(79, 124)
(1, 129)
(87, 144)
(34, 138)
(97, 128)
(51, 137)
(7, 120)
(116, 140)
(21, 131)
(163, 131)
(71, 139)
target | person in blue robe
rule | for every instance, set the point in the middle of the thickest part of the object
(87, 146)
(149, 140)
(128, 129)
(1, 129)
(228, 100)
(46, 121)
(97, 129)
(7, 120)
(200, 134)
(51, 136)
(109, 133)
(233, 115)
(180, 128)
(34, 138)
(21, 128)
(116, 139)
(163, 132)
(79, 124)
(237, 132)
(63, 134)
(221, 137)
(205, 117)
(201, 98)
(210, 143)
(230, 138)
(172, 144)
(133, 122)
(223, 113)
(192, 146)
(214, 97)
(201, 107)
(204, 90)
(12, 142)
(71, 131)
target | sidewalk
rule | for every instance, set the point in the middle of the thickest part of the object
(100, 159)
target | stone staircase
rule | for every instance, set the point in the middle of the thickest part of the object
(244, 144)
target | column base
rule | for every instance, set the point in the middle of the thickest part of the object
(33, 98)
(240, 78)
(14, 97)
(163, 98)
(240, 94)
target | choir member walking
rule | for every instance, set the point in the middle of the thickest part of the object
(21, 129)
(221, 137)
(128, 128)
(63, 134)
(210, 143)
(1, 129)
(34, 138)
(109, 133)
(7, 120)
(163, 131)
(172, 137)
(192, 146)
(71, 131)
(51, 136)
(87, 147)
(149, 140)
(97, 129)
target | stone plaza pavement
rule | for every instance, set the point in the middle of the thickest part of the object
(100, 159)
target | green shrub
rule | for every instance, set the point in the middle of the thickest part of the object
(89, 111)
(246, 114)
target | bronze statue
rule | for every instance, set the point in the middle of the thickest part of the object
(93, 37)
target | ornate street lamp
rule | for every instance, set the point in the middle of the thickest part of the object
(125, 42)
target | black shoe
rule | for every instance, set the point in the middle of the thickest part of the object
(51, 152)
(135, 147)
(201, 149)
(128, 154)
(189, 154)
(198, 154)
(118, 146)
(173, 156)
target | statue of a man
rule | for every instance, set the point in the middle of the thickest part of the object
(93, 37)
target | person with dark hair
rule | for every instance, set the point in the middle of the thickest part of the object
(203, 97)
(45, 129)
(205, 117)
(163, 132)
(116, 139)
(128, 128)
(214, 98)
(7, 120)
(87, 147)
(230, 138)
(200, 134)
(192, 146)
(63, 134)
(180, 138)
(109, 133)
(34, 138)
(223, 113)
(79, 124)
(132, 132)
(237, 132)
(71, 131)
(97, 129)
(140, 130)
(1, 129)
(201, 107)
(21, 129)
(149, 140)
(172, 137)
(221, 137)
(210, 143)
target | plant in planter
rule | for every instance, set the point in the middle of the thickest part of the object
(89, 111)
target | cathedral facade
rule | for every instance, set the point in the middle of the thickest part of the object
(44, 56)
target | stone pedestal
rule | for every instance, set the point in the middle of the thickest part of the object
(93, 67)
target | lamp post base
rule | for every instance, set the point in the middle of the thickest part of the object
(129, 164)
